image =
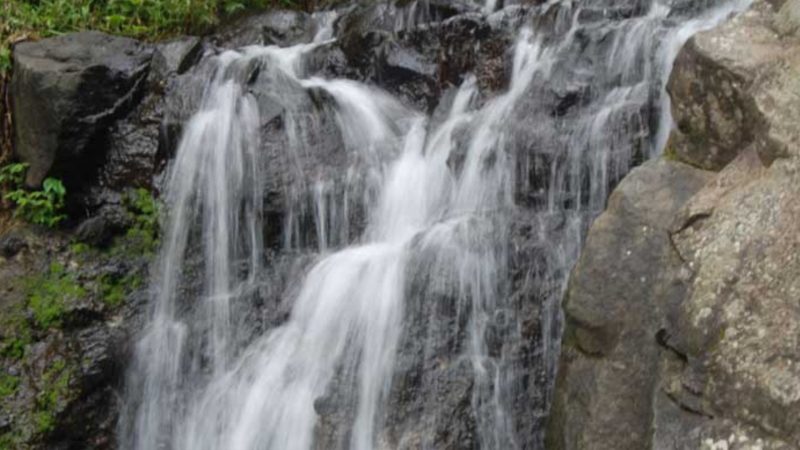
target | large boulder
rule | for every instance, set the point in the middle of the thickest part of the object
(617, 299)
(66, 91)
(738, 329)
(737, 86)
(682, 319)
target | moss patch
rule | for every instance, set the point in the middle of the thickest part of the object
(51, 397)
(51, 293)
(114, 290)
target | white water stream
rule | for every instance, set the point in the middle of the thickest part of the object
(347, 314)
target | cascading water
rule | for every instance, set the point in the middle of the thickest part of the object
(452, 285)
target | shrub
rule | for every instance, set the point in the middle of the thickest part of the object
(40, 207)
(13, 174)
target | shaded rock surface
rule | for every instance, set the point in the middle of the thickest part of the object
(59, 379)
(66, 91)
(682, 318)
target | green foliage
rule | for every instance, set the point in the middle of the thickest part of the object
(14, 347)
(41, 207)
(114, 289)
(5, 59)
(9, 441)
(143, 212)
(143, 208)
(8, 385)
(79, 248)
(16, 331)
(55, 388)
(13, 174)
(49, 295)
(148, 19)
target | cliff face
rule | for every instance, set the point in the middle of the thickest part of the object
(682, 313)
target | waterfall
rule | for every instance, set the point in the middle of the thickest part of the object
(427, 283)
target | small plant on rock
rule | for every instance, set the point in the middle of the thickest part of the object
(143, 211)
(49, 401)
(42, 207)
(50, 294)
(8, 385)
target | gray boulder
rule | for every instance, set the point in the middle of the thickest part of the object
(65, 92)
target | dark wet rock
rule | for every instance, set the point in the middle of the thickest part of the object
(282, 28)
(175, 56)
(11, 244)
(132, 160)
(66, 90)
(417, 63)
(68, 374)
(95, 231)
(399, 15)
(182, 97)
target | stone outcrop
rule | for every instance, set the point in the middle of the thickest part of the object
(682, 313)
(737, 87)
(66, 91)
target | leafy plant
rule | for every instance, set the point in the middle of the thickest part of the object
(50, 293)
(13, 174)
(41, 207)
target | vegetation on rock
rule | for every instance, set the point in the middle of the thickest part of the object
(55, 388)
(42, 207)
(143, 212)
(50, 294)
(148, 19)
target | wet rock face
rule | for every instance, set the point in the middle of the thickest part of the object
(65, 92)
(60, 379)
(281, 28)
(682, 322)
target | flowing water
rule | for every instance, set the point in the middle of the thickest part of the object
(447, 202)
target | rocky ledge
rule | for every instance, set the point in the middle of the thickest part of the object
(683, 313)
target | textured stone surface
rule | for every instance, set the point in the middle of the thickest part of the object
(736, 86)
(618, 297)
(713, 360)
(66, 90)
